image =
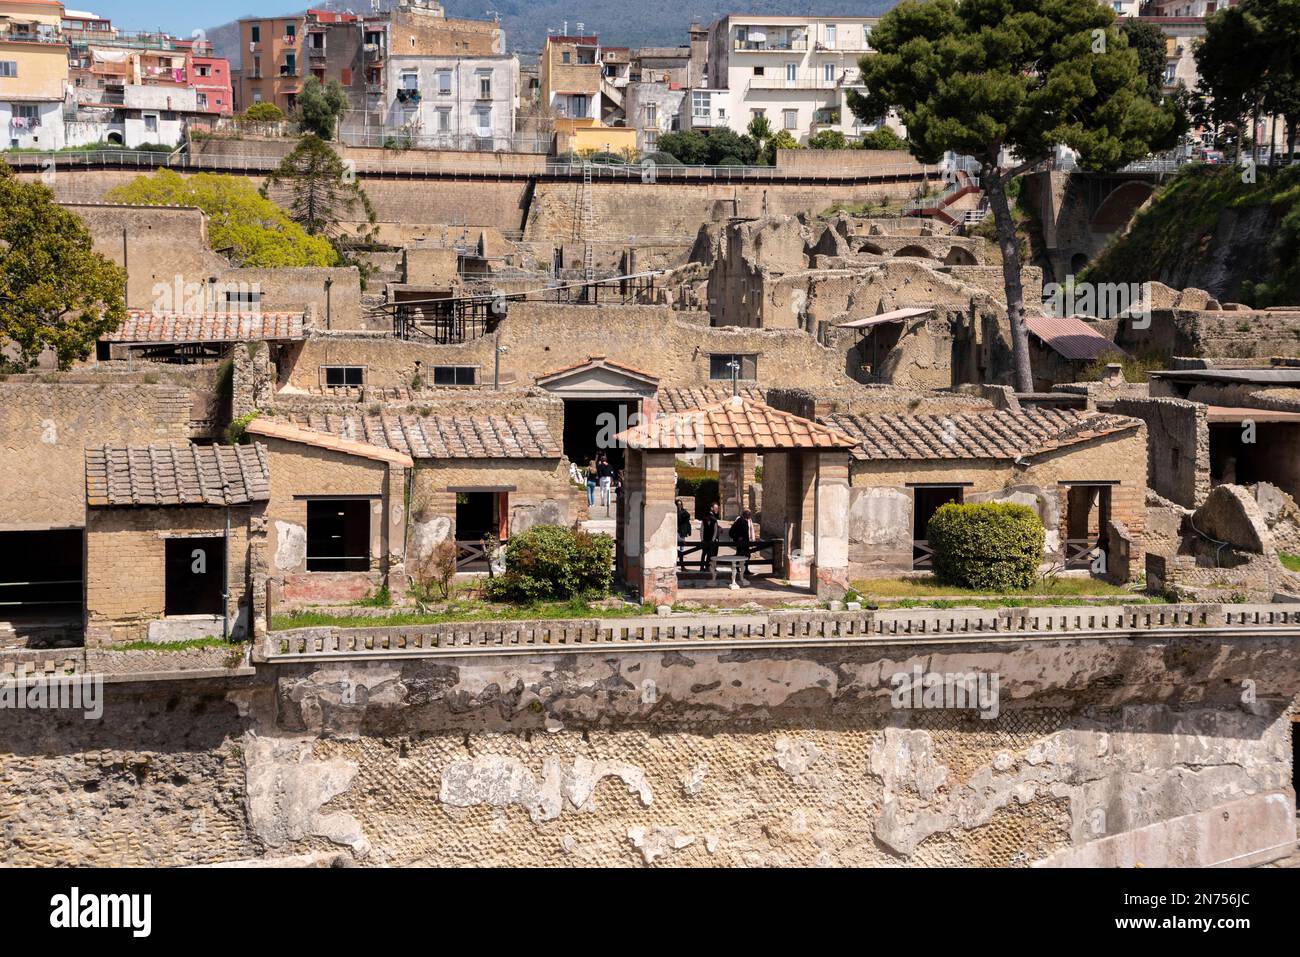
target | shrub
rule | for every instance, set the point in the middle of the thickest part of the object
(432, 578)
(263, 113)
(698, 484)
(236, 432)
(551, 562)
(995, 546)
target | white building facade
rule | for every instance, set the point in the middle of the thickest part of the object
(449, 102)
(795, 71)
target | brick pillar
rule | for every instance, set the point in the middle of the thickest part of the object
(259, 600)
(394, 537)
(830, 572)
(659, 549)
(801, 515)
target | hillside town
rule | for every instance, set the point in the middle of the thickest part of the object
(435, 453)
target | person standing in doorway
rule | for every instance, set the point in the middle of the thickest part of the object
(606, 474)
(683, 533)
(744, 534)
(592, 473)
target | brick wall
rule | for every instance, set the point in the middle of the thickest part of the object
(1178, 459)
(45, 428)
(126, 564)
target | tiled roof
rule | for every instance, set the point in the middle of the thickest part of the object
(596, 362)
(152, 475)
(683, 400)
(980, 435)
(443, 436)
(240, 327)
(1071, 337)
(290, 432)
(734, 423)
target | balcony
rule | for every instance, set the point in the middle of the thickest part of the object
(774, 45)
(316, 53)
(807, 80)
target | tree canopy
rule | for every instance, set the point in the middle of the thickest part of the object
(56, 292)
(320, 106)
(245, 226)
(987, 78)
(320, 191)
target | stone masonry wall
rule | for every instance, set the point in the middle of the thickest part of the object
(45, 428)
(1178, 461)
(126, 569)
(767, 757)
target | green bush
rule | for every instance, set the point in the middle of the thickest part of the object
(551, 562)
(698, 484)
(995, 546)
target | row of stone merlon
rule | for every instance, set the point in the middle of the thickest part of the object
(779, 626)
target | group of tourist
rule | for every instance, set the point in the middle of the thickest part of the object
(744, 534)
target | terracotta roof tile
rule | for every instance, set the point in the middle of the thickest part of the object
(279, 428)
(443, 436)
(735, 423)
(156, 475)
(683, 400)
(982, 435)
(230, 327)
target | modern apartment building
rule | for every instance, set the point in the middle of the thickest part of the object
(796, 71)
(33, 73)
(448, 102)
(579, 90)
(271, 69)
(210, 78)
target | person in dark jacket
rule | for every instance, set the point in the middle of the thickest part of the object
(709, 534)
(744, 534)
(683, 533)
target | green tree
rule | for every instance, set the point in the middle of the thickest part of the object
(320, 107)
(882, 139)
(1228, 62)
(760, 131)
(725, 144)
(828, 140)
(688, 146)
(246, 227)
(56, 292)
(982, 77)
(1149, 42)
(320, 191)
(263, 113)
(784, 140)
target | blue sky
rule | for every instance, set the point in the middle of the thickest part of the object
(180, 17)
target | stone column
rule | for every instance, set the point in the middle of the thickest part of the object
(659, 550)
(395, 531)
(801, 516)
(830, 571)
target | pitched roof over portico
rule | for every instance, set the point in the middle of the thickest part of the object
(599, 378)
(735, 424)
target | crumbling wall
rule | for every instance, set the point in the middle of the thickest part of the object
(1178, 433)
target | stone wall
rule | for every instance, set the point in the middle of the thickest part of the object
(880, 514)
(46, 426)
(126, 568)
(300, 472)
(776, 756)
(543, 337)
(1178, 457)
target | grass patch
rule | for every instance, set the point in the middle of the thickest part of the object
(456, 612)
(1290, 562)
(930, 587)
(1032, 601)
(379, 598)
(212, 641)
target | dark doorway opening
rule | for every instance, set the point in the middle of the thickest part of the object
(338, 535)
(479, 525)
(41, 573)
(1087, 516)
(926, 500)
(1273, 456)
(874, 348)
(194, 579)
(590, 426)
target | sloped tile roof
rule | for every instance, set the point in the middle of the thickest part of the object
(1071, 337)
(230, 327)
(981, 435)
(735, 423)
(277, 428)
(153, 475)
(683, 400)
(443, 436)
